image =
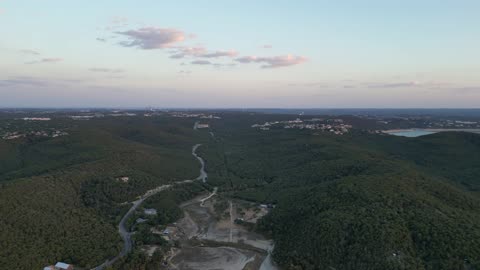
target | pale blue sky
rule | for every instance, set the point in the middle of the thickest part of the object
(320, 53)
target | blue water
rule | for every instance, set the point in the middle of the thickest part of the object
(421, 132)
(412, 133)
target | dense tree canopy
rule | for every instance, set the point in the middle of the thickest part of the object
(357, 201)
(61, 198)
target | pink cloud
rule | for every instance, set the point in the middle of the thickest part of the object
(273, 61)
(148, 38)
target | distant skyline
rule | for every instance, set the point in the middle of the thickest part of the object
(242, 54)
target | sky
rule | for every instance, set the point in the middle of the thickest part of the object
(241, 54)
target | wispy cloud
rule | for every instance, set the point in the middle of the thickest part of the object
(217, 54)
(349, 83)
(101, 39)
(52, 82)
(394, 85)
(200, 52)
(219, 65)
(24, 81)
(409, 84)
(267, 46)
(309, 84)
(149, 38)
(182, 52)
(201, 62)
(274, 61)
(31, 52)
(107, 70)
(45, 60)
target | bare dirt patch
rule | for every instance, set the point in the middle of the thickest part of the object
(213, 241)
(212, 258)
(149, 249)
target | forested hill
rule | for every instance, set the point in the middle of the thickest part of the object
(61, 198)
(453, 155)
(358, 201)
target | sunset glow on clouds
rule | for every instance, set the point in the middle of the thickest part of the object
(240, 54)
(150, 38)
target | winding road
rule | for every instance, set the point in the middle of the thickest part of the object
(203, 175)
(123, 230)
(267, 264)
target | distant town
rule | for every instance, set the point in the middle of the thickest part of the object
(40, 133)
(35, 123)
(335, 126)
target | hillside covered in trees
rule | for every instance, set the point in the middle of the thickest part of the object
(357, 201)
(61, 198)
(361, 200)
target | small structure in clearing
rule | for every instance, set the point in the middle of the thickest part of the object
(123, 179)
(59, 266)
(140, 220)
(63, 266)
(203, 126)
(150, 212)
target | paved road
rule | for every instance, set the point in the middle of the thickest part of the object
(123, 230)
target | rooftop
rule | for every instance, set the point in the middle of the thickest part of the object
(61, 265)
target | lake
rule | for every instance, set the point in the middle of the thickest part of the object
(411, 133)
(421, 132)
